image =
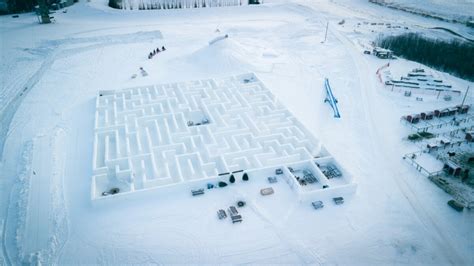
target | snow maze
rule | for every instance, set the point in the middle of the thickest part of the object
(193, 132)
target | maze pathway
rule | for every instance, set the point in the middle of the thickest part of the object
(174, 133)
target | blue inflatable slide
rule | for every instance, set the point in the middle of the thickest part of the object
(331, 99)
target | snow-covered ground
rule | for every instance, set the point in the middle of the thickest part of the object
(51, 75)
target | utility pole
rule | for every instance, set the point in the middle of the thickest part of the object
(44, 12)
(465, 96)
(326, 34)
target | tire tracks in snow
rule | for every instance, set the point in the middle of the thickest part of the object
(305, 254)
(53, 50)
(368, 89)
(24, 173)
(9, 111)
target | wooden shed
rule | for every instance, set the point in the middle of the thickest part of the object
(452, 110)
(462, 109)
(426, 115)
(413, 118)
(452, 168)
(470, 136)
(441, 113)
(444, 141)
(429, 115)
(432, 146)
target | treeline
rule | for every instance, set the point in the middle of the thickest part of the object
(172, 4)
(458, 19)
(455, 56)
(115, 4)
(18, 6)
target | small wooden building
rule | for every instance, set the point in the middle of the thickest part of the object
(432, 146)
(444, 141)
(462, 109)
(470, 136)
(413, 118)
(441, 113)
(452, 168)
(382, 53)
(427, 115)
(452, 111)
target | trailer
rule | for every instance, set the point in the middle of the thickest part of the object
(338, 200)
(234, 215)
(197, 192)
(236, 218)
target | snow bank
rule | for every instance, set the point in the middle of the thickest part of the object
(39, 212)
(18, 206)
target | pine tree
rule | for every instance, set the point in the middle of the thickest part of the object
(453, 56)
(44, 12)
(245, 177)
(232, 179)
(222, 184)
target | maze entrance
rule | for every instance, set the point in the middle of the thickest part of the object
(174, 133)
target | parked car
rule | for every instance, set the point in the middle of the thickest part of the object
(317, 204)
(266, 191)
(338, 200)
(272, 179)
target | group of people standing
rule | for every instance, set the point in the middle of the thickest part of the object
(156, 51)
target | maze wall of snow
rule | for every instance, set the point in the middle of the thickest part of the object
(177, 133)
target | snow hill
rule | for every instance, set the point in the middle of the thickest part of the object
(223, 55)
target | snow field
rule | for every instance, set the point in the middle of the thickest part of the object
(395, 217)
